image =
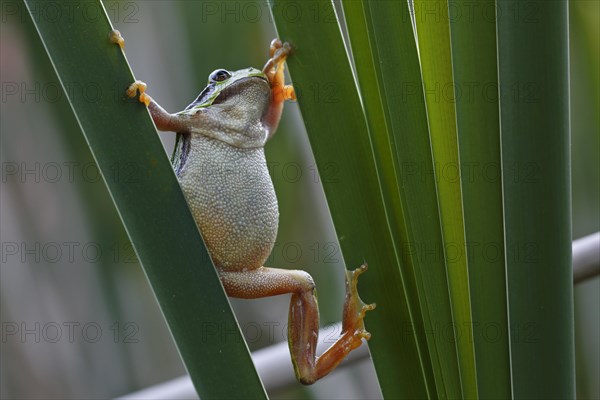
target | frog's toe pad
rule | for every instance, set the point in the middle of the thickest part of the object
(139, 86)
(287, 48)
(275, 45)
(144, 98)
(282, 52)
(135, 87)
(352, 276)
(364, 335)
(367, 307)
(116, 38)
(289, 93)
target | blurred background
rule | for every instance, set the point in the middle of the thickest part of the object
(78, 317)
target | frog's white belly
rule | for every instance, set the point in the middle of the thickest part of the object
(231, 196)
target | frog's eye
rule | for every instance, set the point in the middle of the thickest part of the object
(219, 75)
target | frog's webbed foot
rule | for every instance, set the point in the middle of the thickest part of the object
(162, 119)
(274, 70)
(280, 92)
(139, 86)
(354, 308)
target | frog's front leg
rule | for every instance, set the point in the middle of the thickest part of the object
(280, 92)
(303, 324)
(274, 69)
(162, 119)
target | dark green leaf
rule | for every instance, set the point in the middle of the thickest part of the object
(533, 66)
(148, 198)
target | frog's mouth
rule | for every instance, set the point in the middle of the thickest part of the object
(202, 97)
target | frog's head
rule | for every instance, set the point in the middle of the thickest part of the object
(247, 88)
(233, 106)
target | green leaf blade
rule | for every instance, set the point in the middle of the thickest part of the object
(533, 71)
(151, 205)
(339, 136)
(364, 48)
(477, 113)
(436, 62)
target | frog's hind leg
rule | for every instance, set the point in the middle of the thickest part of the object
(303, 326)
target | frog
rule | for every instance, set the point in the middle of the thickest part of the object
(220, 163)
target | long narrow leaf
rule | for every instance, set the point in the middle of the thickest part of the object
(366, 59)
(155, 214)
(436, 63)
(394, 66)
(533, 65)
(478, 125)
(341, 144)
